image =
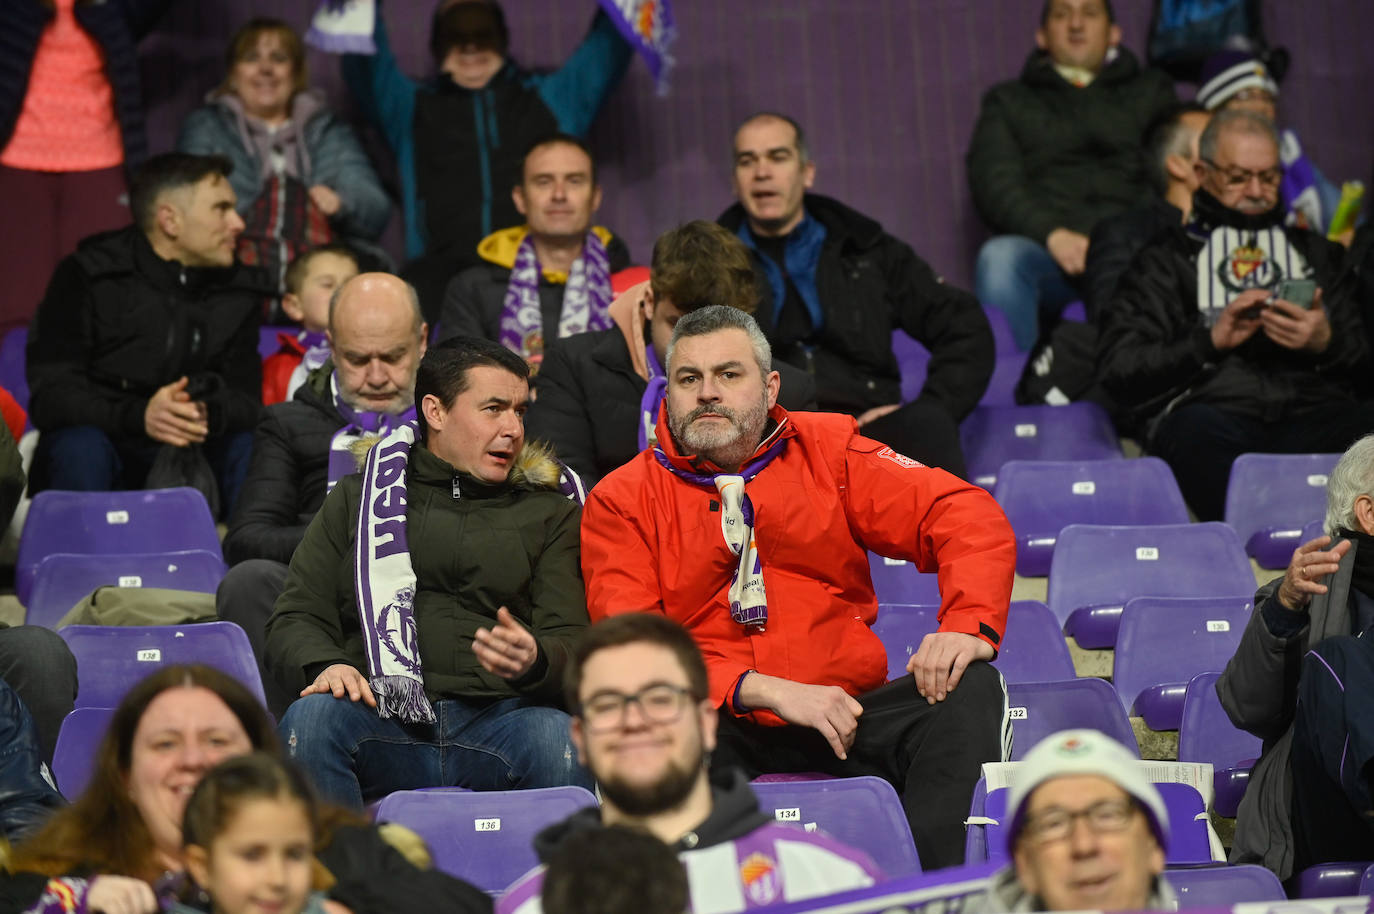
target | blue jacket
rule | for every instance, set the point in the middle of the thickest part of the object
(458, 150)
(335, 157)
(116, 25)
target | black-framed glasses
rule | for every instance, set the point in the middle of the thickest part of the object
(660, 703)
(1239, 177)
(1056, 824)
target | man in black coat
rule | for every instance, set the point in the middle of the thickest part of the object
(599, 393)
(1198, 341)
(301, 448)
(836, 286)
(147, 338)
(1054, 151)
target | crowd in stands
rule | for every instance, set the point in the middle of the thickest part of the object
(508, 513)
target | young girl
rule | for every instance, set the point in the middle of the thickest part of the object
(249, 832)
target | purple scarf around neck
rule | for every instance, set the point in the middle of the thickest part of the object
(586, 298)
(358, 423)
(649, 403)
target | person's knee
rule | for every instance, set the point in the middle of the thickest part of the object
(249, 591)
(34, 654)
(320, 723)
(549, 755)
(80, 457)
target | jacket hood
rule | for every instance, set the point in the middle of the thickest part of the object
(1039, 69)
(625, 314)
(499, 248)
(734, 814)
(841, 222)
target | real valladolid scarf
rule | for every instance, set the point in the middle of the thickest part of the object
(586, 298)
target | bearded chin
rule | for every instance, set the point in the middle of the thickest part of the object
(725, 447)
(667, 793)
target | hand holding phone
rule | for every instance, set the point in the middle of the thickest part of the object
(1300, 292)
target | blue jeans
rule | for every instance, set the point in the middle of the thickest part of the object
(353, 756)
(1020, 278)
(83, 458)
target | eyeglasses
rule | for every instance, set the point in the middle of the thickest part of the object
(660, 703)
(1056, 824)
(1237, 177)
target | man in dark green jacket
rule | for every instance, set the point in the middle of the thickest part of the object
(438, 662)
(1055, 151)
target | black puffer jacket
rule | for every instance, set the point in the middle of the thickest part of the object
(1046, 154)
(287, 477)
(869, 284)
(1155, 351)
(118, 322)
(589, 399)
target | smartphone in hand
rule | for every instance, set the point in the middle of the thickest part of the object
(1300, 292)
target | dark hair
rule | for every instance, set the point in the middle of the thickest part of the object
(555, 139)
(637, 628)
(468, 22)
(803, 149)
(1045, 11)
(614, 870)
(1167, 136)
(443, 372)
(246, 38)
(699, 264)
(296, 272)
(102, 830)
(224, 788)
(167, 172)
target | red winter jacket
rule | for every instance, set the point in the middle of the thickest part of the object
(278, 367)
(651, 541)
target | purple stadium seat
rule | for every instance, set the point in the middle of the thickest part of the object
(1042, 497)
(12, 356)
(1271, 496)
(1004, 344)
(112, 523)
(1224, 886)
(1188, 842)
(111, 659)
(1164, 642)
(73, 759)
(267, 338)
(1311, 531)
(912, 360)
(993, 435)
(1331, 880)
(1206, 734)
(483, 836)
(1032, 650)
(863, 812)
(1074, 311)
(1367, 881)
(63, 578)
(1041, 708)
(898, 581)
(1096, 569)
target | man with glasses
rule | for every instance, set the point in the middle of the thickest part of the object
(1086, 831)
(1201, 342)
(643, 726)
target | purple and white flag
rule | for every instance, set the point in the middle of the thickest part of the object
(649, 27)
(343, 27)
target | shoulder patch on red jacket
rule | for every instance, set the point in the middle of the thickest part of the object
(901, 460)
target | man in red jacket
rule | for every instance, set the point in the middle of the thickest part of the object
(751, 527)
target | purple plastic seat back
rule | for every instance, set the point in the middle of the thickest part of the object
(1043, 497)
(1206, 734)
(12, 361)
(1096, 569)
(993, 435)
(268, 344)
(1164, 642)
(1270, 497)
(912, 360)
(483, 836)
(898, 581)
(63, 579)
(1224, 886)
(73, 759)
(1331, 880)
(112, 523)
(1367, 881)
(112, 659)
(862, 812)
(1311, 531)
(1032, 650)
(1041, 708)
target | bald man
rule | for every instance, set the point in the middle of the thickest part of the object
(301, 447)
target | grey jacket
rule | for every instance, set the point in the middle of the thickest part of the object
(1005, 894)
(1259, 690)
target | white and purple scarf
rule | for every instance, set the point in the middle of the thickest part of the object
(358, 424)
(748, 601)
(649, 403)
(586, 298)
(384, 582)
